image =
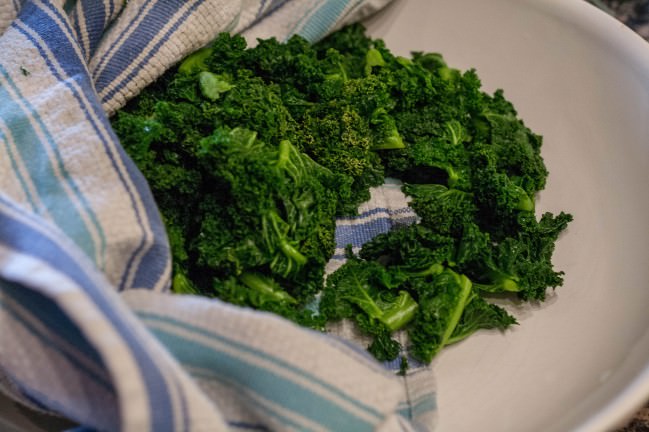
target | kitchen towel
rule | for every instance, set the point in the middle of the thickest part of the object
(88, 328)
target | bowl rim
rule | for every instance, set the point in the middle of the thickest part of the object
(631, 46)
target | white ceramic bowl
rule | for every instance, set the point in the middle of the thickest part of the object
(580, 361)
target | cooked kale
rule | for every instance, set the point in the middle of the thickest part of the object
(252, 152)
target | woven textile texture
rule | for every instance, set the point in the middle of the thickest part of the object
(89, 329)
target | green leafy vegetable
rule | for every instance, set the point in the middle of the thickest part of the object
(251, 153)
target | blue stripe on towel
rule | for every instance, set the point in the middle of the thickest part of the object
(22, 123)
(320, 22)
(75, 22)
(96, 19)
(290, 394)
(24, 239)
(131, 48)
(156, 257)
(108, 57)
(359, 234)
(25, 183)
(247, 349)
(57, 322)
(256, 402)
(183, 412)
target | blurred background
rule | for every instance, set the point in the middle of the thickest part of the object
(634, 13)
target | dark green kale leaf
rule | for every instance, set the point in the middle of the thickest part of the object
(358, 286)
(251, 152)
(479, 314)
(444, 210)
(285, 91)
(441, 305)
(280, 212)
(358, 291)
(415, 249)
(523, 264)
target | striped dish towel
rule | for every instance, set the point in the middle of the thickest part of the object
(88, 329)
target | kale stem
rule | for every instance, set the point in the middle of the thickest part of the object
(292, 252)
(432, 270)
(262, 285)
(284, 153)
(465, 291)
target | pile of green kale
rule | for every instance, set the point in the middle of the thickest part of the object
(251, 153)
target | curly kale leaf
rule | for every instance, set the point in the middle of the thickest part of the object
(280, 205)
(523, 264)
(357, 291)
(415, 249)
(251, 152)
(441, 304)
(358, 287)
(445, 210)
(479, 314)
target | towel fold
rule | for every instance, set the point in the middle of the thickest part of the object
(88, 328)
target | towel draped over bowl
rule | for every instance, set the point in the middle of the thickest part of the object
(88, 328)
